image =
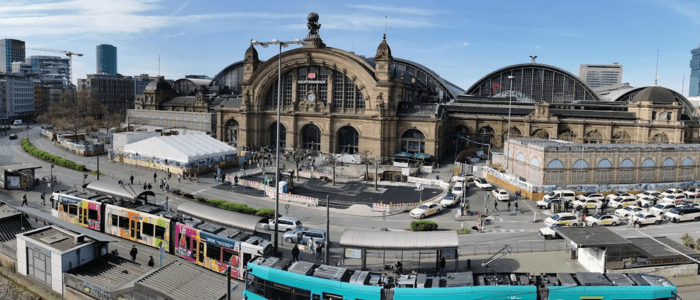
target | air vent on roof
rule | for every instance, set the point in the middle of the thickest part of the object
(54, 238)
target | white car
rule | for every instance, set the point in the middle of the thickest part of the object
(646, 218)
(620, 203)
(449, 200)
(589, 203)
(457, 191)
(687, 204)
(567, 219)
(482, 184)
(674, 199)
(683, 214)
(285, 224)
(692, 193)
(648, 195)
(501, 194)
(629, 211)
(646, 202)
(619, 196)
(547, 203)
(603, 220)
(661, 208)
(589, 196)
(425, 210)
(548, 232)
(670, 192)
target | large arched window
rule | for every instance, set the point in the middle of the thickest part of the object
(311, 137)
(273, 135)
(648, 170)
(604, 171)
(668, 168)
(535, 162)
(484, 135)
(345, 93)
(555, 171)
(348, 140)
(580, 172)
(413, 141)
(520, 157)
(316, 80)
(231, 132)
(626, 172)
(313, 80)
(688, 169)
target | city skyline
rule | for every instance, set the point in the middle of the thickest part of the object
(461, 43)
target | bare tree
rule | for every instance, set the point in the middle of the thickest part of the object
(332, 161)
(376, 161)
(79, 112)
(297, 155)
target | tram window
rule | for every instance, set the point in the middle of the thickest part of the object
(65, 207)
(147, 229)
(124, 223)
(213, 252)
(328, 296)
(115, 220)
(227, 255)
(73, 209)
(160, 232)
(92, 214)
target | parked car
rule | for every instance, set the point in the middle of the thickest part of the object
(549, 232)
(588, 196)
(565, 195)
(683, 214)
(304, 234)
(661, 208)
(674, 198)
(482, 184)
(547, 204)
(603, 219)
(620, 196)
(646, 202)
(501, 194)
(622, 202)
(449, 200)
(687, 204)
(589, 203)
(568, 219)
(648, 195)
(13, 136)
(694, 192)
(629, 211)
(285, 223)
(670, 192)
(457, 191)
(425, 210)
(646, 218)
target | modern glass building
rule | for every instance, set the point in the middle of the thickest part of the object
(106, 59)
(694, 90)
(600, 75)
(10, 51)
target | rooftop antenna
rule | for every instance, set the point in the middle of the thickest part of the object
(656, 80)
(385, 19)
(533, 57)
(158, 65)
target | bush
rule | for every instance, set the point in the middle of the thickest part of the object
(266, 213)
(27, 147)
(188, 195)
(423, 225)
(688, 241)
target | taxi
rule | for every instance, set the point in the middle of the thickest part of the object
(567, 219)
(602, 219)
(425, 210)
(622, 202)
(589, 203)
(501, 194)
(646, 218)
(549, 232)
(629, 211)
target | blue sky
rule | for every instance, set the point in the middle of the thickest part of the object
(460, 40)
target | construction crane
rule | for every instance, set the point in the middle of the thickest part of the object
(67, 53)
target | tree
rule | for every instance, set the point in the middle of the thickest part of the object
(78, 112)
(376, 161)
(332, 161)
(297, 155)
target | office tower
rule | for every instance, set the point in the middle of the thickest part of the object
(106, 59)
(10, 51)
(600, 75)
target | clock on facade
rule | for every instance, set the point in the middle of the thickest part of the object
(311, 96)
(662, 115)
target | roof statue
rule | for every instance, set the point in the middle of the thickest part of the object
(313, 26)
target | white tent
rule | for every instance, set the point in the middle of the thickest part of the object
(183, 148)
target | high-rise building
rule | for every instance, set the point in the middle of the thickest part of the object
(115, 91)
(16, 96)
(694, 90)
(10, 51)
(600, 75)
(53, 70)
(106, 59)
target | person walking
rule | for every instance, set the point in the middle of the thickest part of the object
(178, 178)
(235, 180)
(515, 205)
(151, 263)
(318, 251)
(155, 176)
(24, 200)
(150, 187)
(508, 206)
(495, 205)
(301, 250)
(442, 264)
(43, 198)
(312, 246)
(131, 178)
(133, 252)
(51, 199)
(295, 253)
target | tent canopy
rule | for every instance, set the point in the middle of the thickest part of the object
(183, 148)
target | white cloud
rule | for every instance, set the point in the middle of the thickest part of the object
(399, 10)
(465, 44)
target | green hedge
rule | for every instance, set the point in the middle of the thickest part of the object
(266, 213)
(237, 207)
(27, 147)
(424, 225)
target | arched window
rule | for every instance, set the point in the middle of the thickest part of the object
(177, 118)
(555, 171)
(153, 116)
(520, 157)
(604, 171)
(668, 170)
(626, 172)
(195, 119)
(580, 164)
(627, 163)
(273, 135)
(648, 170)
(205, 120)
(535, 162)
(687, 162)
(580, 172)
(413, 141)
(170, 117)
(688, 169)
(555, 164)
(648, 163)
(348, 140)
(484, 135)
(669, 162)
(187, 119)
(345, 93)
(160, 117)
(231, 133)
(311, 137)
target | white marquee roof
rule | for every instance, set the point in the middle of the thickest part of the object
(183, 148)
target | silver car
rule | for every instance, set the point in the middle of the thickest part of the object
(285, 224)
(304, 234)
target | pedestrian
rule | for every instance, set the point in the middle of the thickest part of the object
(145, 186)
(442, 263)
(437, 177)
(178, 178)
(585, 210)
(295, 253)
(133, 252)
(516, 206)
(235, 180)
(508, 206)
(24, 200)
(301, 250)
(312, 246)
(43, 198)
(155, 176)
(51, 199)
(151, 263)
(318, 250)
(132, 179)
(495, 205)
(150, 186)
(167, 187)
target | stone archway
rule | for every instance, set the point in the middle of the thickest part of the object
(273, 135)
(311, 137)
(484, 135)
(231, 132)
(540, 134)
(593, 137)
(348, 140)
(567, 135)
(621, 137)
(514, 133)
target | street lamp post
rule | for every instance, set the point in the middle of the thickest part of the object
(279, 107)
(510, 102)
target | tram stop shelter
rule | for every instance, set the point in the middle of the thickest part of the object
(17, 177)
(356, 243)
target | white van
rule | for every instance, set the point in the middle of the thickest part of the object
(18, 122)
(683, 214)
(565, 195)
